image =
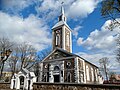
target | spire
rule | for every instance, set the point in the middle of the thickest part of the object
(62, 15)
(62, 10)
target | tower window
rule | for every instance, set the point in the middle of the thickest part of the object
(57, 39)
(67, 40)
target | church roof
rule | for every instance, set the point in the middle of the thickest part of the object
(66, 52)
(61, 50)
(60, 23)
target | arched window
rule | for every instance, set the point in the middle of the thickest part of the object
(68, 77)
(68, 65)
(92, 73)
(44, 78)
(87, 73)
(96, 75)
(57, 39)
(67, 40)
(56, 68)
(21, 80)
(81, 77)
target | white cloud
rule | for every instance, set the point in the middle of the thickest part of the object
(76, 30)
(80, 41)
(99, 44)
(73, 8)
(82, 8)
(15, 6)
(32, 30)
(103, 39)
(49, 9)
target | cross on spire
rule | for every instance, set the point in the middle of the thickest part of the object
(62, 9)
(62, 15)
(62, 3)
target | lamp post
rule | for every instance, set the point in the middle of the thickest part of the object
(4, 56)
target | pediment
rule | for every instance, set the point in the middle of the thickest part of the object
(58, 53)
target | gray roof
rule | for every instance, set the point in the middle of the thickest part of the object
(64, 51)
(60, 23)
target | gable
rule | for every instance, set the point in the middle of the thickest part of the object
(57, 54)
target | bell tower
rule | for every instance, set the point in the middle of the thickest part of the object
(61, 33)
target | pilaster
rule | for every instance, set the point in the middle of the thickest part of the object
(76, 71)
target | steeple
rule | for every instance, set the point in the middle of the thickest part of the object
(62, 10)
(62, 15)
(61, 32)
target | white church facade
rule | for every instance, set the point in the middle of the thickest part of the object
(61, 65)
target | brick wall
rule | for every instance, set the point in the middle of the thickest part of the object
(73, 86)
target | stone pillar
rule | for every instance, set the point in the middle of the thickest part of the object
(84, 70)
(17, 83)
(12, 85)
(51, 78)
(62, 73)
(76, 68)
(41, 72)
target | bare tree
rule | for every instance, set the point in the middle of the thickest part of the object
(111, 10)
(13, 61)
(27, 55)
(103, 63)
(5, 46)
(23, 56)
(41, 55)
(118, 49)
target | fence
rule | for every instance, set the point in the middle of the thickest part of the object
(74, 86)
(66, 86)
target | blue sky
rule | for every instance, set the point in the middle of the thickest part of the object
(31, 21)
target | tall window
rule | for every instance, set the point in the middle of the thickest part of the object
(81, 77)
(96, 75)
(67, 40)
(92, 73)
(57, 39)
(87, 73)
(68, 77)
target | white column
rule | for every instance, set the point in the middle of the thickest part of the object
(84, 71)
(76, 71)
(41, 69)
(17, 84)
(63, 37)
(12, 84)
(70, 42)
(51, 74)
(63, 71)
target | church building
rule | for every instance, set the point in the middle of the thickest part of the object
(61, 65)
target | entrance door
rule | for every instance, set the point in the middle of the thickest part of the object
(56, 78)
(21, 82)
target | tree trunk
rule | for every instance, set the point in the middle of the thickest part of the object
(1, 71)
